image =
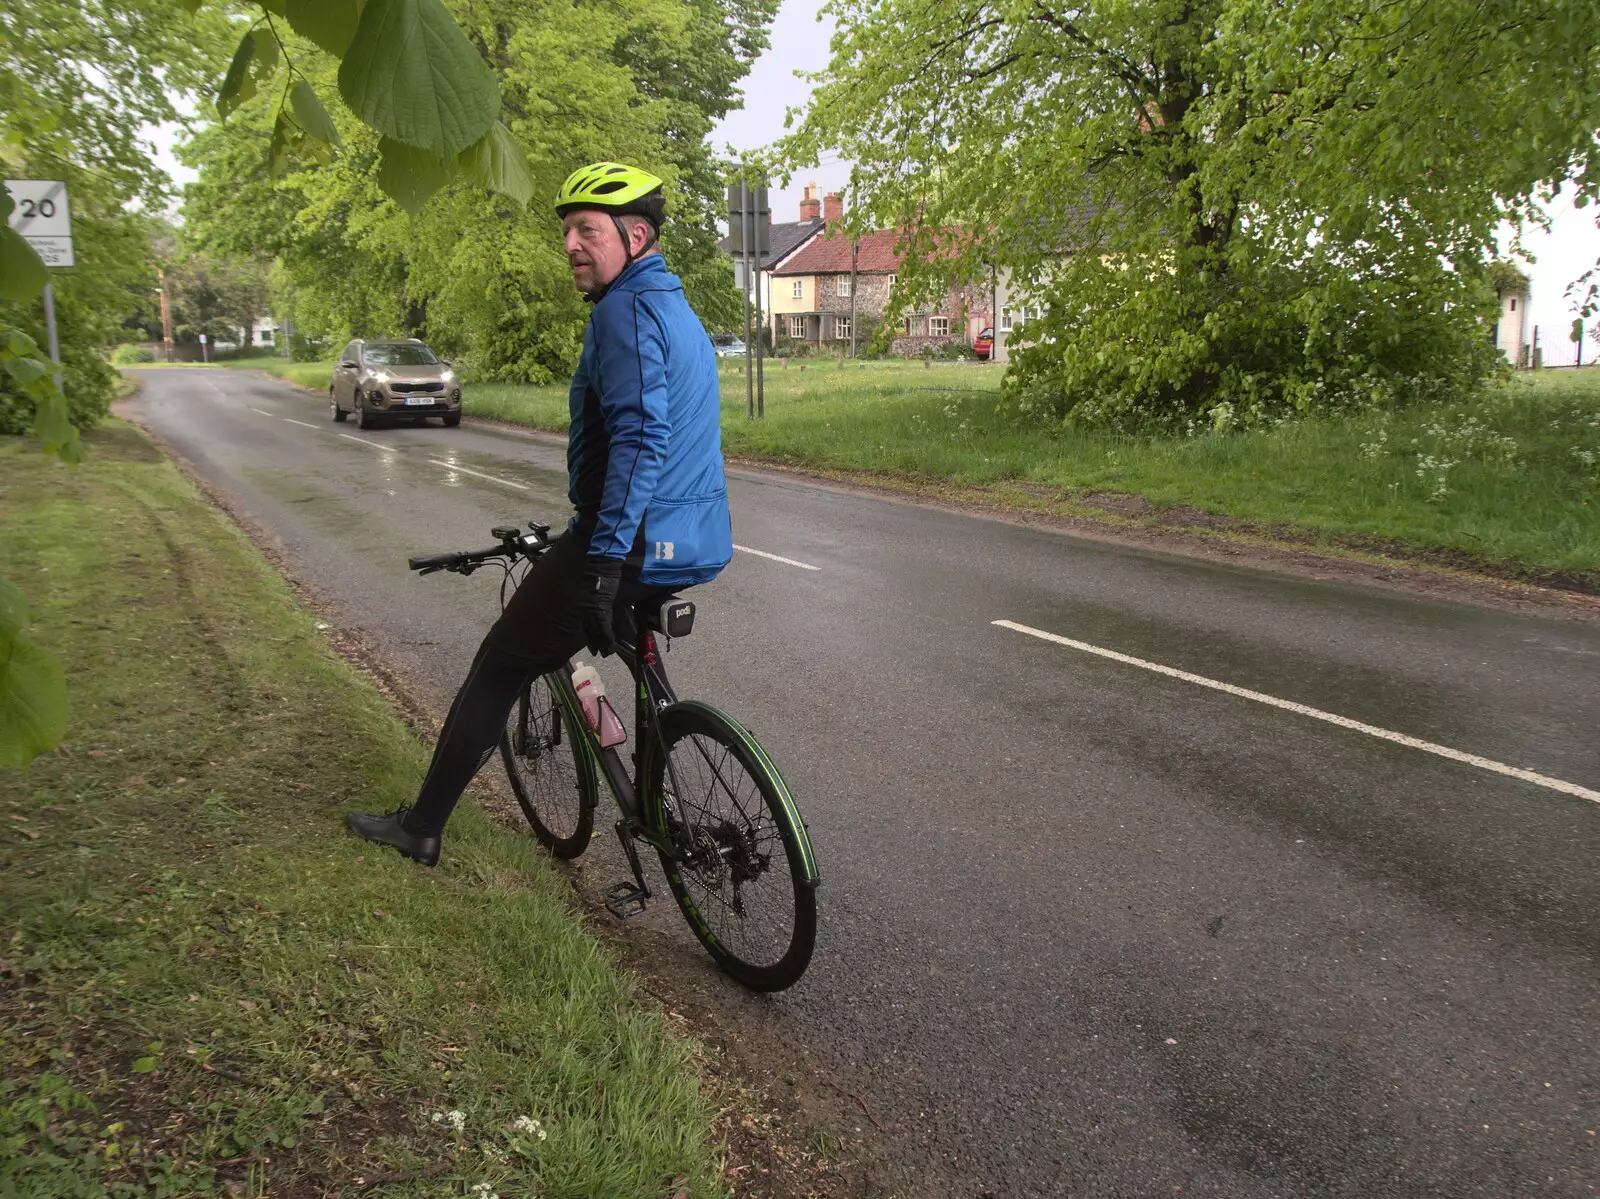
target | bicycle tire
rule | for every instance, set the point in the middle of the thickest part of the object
(556, 785)
(724, 771)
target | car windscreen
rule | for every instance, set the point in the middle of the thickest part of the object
(399, 356)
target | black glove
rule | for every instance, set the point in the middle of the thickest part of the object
(597, 601)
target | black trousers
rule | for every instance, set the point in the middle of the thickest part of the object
(538, 631)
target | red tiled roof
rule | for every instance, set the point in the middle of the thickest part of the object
(831, 256)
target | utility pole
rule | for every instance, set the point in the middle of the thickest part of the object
(749, 221)
(761, 389)
(746, 219)
(166, 313)
(855, 250)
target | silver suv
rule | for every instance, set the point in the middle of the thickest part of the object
(388, 380)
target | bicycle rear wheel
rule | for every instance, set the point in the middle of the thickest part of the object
(551, 771)
(745, 880)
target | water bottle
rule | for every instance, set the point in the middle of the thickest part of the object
(598, 713)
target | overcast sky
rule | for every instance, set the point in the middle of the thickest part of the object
(800, 43)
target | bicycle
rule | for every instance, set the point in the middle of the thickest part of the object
(703, 794)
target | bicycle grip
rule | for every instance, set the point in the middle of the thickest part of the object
(436, 561)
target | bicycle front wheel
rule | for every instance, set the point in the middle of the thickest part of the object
(551, 771)
(744, 876)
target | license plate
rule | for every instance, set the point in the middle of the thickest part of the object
(413, 400)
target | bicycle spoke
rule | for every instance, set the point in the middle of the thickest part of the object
(747, 898)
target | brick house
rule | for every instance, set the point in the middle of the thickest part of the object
(812, 299)
(786, 239)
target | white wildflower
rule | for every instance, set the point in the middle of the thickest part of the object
(455, 1118)
(484, 1190)
(529, 1127)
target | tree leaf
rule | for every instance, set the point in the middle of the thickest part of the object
(286, 135)
(266, 55)
(26, 370)
(237, 86)
(144, 1065)
(412, 74)
(23, 273)
(329, 23)
(20, 344)
(33, 701)
(275, 7)
(311, 116)
(409, 176)
(13, 611)
(496, 161)
(52, 421)
(192, 6)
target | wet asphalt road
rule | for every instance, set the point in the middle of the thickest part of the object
(1086, 929)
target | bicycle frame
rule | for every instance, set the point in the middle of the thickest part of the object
(652, 693)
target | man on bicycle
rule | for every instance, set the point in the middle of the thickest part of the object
(644, 468)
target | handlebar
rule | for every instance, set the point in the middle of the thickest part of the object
(438, 561)
(513, 543)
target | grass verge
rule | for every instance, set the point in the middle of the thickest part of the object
(1507, 481)
(206, 987)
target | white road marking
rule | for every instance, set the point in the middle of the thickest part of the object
(262, 413)
(302, 424)
(479, 474)
(1344, 722)
(386, 449)
(745, 549)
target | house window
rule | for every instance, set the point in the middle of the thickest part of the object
(939, 326)
(892, 279)
(1005, 320)
(266, 337)
(798, 289)
(841, 328)
(797, 325)
(916, 326)
(842, 287)
(1513, 303)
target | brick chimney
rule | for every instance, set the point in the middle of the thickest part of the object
(810, 206)
(833, 208)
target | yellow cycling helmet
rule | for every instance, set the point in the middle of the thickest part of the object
(613, 187)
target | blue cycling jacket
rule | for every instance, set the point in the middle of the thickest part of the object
(644, 449)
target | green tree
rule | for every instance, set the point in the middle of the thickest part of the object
(1229, 209)
(483, 277)
(77, 80)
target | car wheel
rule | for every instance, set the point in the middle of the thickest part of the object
(364, 418)
(452, 420)
(339, 414)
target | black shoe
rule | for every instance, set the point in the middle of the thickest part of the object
(391, 830)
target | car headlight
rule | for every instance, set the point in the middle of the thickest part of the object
(448, 376)
(380, 376)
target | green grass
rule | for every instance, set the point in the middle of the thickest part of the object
(315, 375)
(1498, 481)
(206, 986)
(1521, 494)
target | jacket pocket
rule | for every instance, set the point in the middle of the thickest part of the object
(686, 540)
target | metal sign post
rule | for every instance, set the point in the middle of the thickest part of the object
(44, 218)
(749, 231)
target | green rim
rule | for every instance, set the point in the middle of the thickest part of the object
(774, 777)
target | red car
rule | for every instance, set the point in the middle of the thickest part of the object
(983, 344)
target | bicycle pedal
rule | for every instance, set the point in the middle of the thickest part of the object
(625, 900)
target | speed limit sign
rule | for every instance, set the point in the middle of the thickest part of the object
(42, 216)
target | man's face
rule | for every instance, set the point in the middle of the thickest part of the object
(594, 249)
